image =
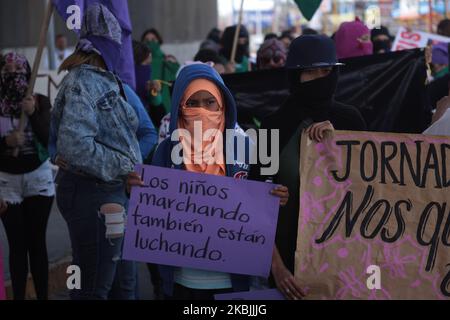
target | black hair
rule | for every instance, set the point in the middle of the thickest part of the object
(286, 34)
(309, 31)
(270, 36)
(214, 35)
(207, 55)
(140, 52)
(155, 32)
(227, 43)
(443, 28)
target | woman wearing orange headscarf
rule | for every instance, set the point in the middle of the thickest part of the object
(203, 108)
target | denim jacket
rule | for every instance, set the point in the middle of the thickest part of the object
(94, 125)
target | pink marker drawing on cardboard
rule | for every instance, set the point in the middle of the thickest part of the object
(375, 199)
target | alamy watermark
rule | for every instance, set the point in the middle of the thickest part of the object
(249, 147)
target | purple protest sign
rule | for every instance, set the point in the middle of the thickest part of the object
(262, 295)
(201, 221)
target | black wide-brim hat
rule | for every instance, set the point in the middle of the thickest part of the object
(312, 51)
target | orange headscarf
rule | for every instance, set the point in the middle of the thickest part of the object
(203, 156)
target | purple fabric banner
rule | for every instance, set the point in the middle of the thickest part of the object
(120, 10)
(263, 295)
(201, 221)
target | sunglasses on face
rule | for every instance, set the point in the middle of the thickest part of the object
(275, 59)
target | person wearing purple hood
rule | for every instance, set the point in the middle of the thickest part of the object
(439, 60)
(353, 40)
(96, 138)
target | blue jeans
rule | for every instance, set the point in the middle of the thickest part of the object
(125, 286)
(79, 200)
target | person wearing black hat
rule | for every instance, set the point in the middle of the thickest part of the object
(381, 40)
(313, 74)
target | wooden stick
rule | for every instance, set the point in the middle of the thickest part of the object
(236, 34)
(430, 16)
(37, 62)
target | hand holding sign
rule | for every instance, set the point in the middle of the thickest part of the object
(134, 180)
(441, 108)
(284, 279)
(317, 131)
(379, 199)
(185, 219)
(282, 192)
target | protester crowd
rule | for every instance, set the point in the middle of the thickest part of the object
(100, 127)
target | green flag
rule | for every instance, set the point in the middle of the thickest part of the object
(308, 7)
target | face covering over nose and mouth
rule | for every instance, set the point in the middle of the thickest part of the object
(242, 50)
(315, 96)
(381, 46)
(205, 156)
(13, 85)
(381, 39)
(348, 43)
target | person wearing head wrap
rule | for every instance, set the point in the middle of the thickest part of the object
(439, 59)
(94, 133)
(310, 110)
(381, 40)
(164, 69)
(242, 62)
(271, 55)
(353, 40)
(26, 180)
(212, 41)
(200, 96)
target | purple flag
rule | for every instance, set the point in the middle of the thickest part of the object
(201, 221)
(120, 10)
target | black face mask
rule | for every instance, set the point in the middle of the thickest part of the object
(315, 96)
(381, 45)
(241, 52)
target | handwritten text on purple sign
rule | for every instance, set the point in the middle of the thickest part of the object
(201, 221)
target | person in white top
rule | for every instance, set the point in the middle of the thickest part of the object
(61, 50)
(440, 125)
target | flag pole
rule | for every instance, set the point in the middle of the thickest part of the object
(430, 16)
(236, 34)
(36, 63)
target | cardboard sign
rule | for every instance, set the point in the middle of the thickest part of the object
(415, 39)
(201, 221)
(374, 217)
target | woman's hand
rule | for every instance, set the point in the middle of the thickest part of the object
(15, 139)
(281, 192)
(133, 180)
(317, 131)
(284, 280)
(171, 58)
(230, 68)
(441, 108)
(28, 105)
(60, 162)
(154, 87)
(3, 207)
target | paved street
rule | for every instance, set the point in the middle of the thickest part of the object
(58, 244)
